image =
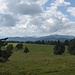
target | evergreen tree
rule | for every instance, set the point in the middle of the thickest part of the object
(4, 53)
(19, 46)
(26, 50)
(71, 47)
(59, 48)
(43, 42)
(66, 42)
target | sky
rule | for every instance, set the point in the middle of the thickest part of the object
(23, 18)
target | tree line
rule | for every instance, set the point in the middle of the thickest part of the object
(66, 42)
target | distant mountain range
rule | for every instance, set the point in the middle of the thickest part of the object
(45, 38)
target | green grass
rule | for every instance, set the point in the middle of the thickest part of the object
(39, 61)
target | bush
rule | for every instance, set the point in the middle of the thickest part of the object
(6, 54)
(71, 47)
(19, 46)
(59, 48)
(26, 50)
(9, 47)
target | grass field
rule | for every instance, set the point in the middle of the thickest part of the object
(39, 61)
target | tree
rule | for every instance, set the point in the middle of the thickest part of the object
(9, 47)
(71, 47)
(4, 53)
(59, 48)
(26, 50)
(43, 42)
(66, 42)
(19, 46)
(7, 52)
(3, 42)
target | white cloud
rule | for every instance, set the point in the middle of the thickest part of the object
(71, 10)
(60, 3)
(41, 2)
(70, 30)
(7, 20)
(26, 7)
(2, 6)
(27, 18)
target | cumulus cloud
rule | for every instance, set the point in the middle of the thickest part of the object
(52, 20)
(7, 20)
(25, 7)
(41, 2)
(3, 7)
(70, 30)
(60, 3)
(71, 10)
(47, 23)
(28, 18)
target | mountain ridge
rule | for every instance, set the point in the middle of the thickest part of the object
(45, 38)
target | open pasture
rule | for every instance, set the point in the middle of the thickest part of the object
(39, 61)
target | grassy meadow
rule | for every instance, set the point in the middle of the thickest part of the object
(39, 61)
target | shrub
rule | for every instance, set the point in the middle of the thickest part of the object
(9, 47)
(59, 48)
(6, 54)
(26, 50)
(19, 46)
(71, 47)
